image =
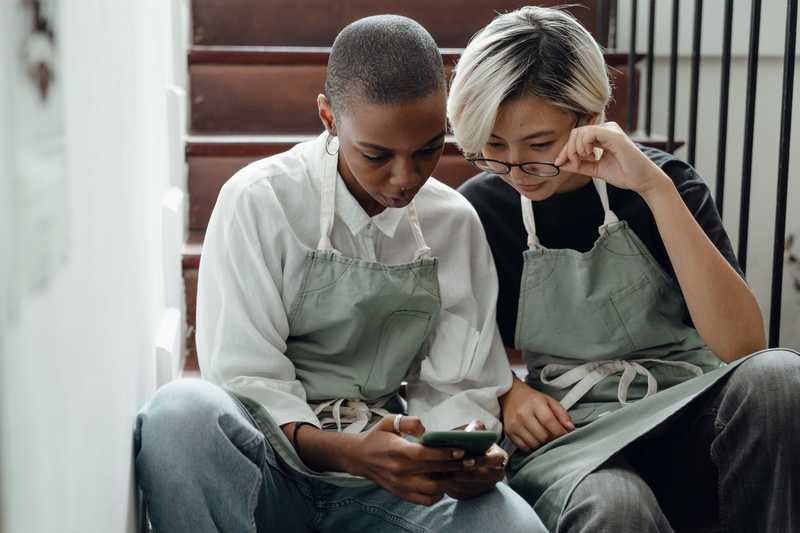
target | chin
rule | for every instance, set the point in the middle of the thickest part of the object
(543, 193)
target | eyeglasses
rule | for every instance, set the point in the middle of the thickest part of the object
(534, 168)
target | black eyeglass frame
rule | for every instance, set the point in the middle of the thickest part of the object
(509, 166)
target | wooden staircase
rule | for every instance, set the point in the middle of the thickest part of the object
(255, 69)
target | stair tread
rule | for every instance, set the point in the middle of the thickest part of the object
(192, 249)
(255, 145)
(246, 145)
(315, 55)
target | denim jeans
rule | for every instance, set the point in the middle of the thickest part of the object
(204, 467)
(728, 462)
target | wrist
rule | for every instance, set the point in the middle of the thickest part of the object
(348, 456)
(657, 186)
(517, 388)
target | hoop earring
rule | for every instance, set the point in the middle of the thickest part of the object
(328, 143)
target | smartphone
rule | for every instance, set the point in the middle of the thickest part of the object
(474, 443)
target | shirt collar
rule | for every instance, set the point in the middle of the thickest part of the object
(353, 215)
(347, 207)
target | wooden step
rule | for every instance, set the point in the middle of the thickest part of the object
(317, 55)
(317, 22)
(213, 160)
(274, 90)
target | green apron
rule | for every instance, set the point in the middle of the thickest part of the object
(603, 332)
(356, 330)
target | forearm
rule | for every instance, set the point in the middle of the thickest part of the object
(322, 451)
(721, 305)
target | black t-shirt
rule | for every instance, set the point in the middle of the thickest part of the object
(571, 220)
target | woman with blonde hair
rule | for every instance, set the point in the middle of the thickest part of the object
(650, 402)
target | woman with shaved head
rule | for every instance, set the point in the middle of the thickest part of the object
(330, 274)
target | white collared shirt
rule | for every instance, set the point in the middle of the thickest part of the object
(265, 221)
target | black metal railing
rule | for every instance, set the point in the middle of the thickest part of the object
(749, 123)
(725, 80)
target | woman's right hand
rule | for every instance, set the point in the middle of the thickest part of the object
(532, 418)
(405, 469)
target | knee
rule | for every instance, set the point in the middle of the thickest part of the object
(766, 386)
(180, 409)
(509, 512)
(184, 420)
(612, 499)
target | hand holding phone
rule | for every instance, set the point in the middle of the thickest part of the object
(474, 443)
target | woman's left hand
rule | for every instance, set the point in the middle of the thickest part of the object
(481, 477)
(622, 164)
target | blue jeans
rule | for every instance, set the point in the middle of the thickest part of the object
(204, 467)
(729, 462)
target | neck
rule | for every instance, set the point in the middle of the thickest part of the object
(573, 183)
(371, 206)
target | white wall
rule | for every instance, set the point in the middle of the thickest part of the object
(766, 133)
(77, 359)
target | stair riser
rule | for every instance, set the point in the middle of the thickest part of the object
(281, 99)
(207, 174)
(255, 22)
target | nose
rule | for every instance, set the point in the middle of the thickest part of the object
(405, 174)
(517, 174)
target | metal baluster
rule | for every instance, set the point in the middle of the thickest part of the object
(651, 32)
(749, 121)
(695, 80)
(632, 94)
(673, 77)
(787, 95)
(722, 142)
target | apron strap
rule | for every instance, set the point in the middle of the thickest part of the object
(582, 378)
(423, 251)
(328, 196)
(609, 216)
(530, 222)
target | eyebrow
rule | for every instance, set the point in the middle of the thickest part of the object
(378, 147)
(533, 135)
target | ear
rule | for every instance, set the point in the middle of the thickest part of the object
(326, 114)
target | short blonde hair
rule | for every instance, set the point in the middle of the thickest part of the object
(533, 50)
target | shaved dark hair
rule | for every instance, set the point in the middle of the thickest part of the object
(384, 59)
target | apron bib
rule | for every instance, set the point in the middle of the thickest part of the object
(603, 332)
(356, 330)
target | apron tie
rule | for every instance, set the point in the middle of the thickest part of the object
(582, 378)
(348, 416)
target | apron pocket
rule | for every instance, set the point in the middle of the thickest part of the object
(455, 339)
(649, 315)
(401, 339)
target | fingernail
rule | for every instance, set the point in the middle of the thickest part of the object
(570, 425)
(458, 454)
(469, 462)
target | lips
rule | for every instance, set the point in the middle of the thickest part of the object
(529, 187)
(392, 201)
